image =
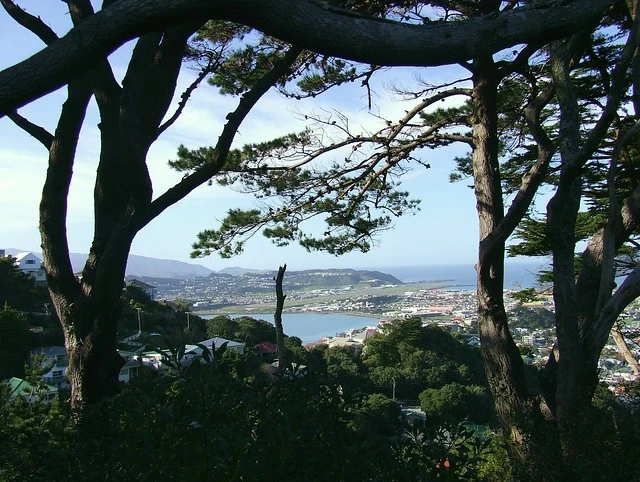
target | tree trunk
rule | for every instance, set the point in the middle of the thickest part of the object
(283, 361)
(623, 348)
(519, 416)
(576, 378)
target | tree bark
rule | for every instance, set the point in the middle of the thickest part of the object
(89, 308)
(283, 361)
(503, 364)
(306, 23)
(623, 348)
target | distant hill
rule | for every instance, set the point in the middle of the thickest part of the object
(237, 271)
(323, 278)
(225, 287)
(154, 270)
(142, 266)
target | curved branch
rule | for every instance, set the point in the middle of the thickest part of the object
(531, 180)
(307, 23)
(37, 132)
(235, 118)
(184, 98)
(598, 335)
(30, 22)
(619, 80)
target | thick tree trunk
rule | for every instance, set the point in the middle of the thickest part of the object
(503, 364)
(501, 357)
(94, 362)
(576, 379)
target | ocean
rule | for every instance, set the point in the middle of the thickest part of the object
(518, 274)
(310, 327)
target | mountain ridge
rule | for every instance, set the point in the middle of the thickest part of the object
(140, 265)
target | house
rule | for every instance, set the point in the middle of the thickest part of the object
(56, 358)
(151, 359)
(129, 371)
(21, 388)
(217, 342)
(293, 369)
(31, 265)
(266, 349)
(131, 365)
(150, 290)
(473, 341)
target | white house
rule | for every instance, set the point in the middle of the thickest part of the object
(31, 265)
(56, 357)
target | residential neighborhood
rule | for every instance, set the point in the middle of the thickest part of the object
(386, 298)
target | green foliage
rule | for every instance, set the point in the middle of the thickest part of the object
(252, 331)
(419, 358)
(531, 317)
(496, 466)
(533, 236)
(245, 329)
(451, 452)
(41, 438)
(18, 290)
(196, 423)
(343, 365)
(379, 416)
(526, 295)
(454, 402)
(298, 354)
(222, 326)
(158, 318)
(326, 73)
(15, 343)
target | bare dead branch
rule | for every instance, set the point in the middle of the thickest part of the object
(37, 132)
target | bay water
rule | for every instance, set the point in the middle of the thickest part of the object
(311, 327)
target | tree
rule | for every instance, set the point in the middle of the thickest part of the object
(131, 117)
(283, 358)
(455, 402)
(538, 142)
(15, 343)
(17, 289)
(415, 358)
(340, 34)
(222, 326)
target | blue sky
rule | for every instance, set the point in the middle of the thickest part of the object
(443, 232)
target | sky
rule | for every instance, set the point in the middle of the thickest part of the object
(444, 231)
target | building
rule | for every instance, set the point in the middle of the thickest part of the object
(150, 290)
(131, 365)
(31, 265)
(21, 388)
(54, 357)
(213, 343)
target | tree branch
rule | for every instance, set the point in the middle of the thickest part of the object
(311, 25)
(598, 335)
(184, 98)
(234, 119)
(531, 180)
(37, 132)
(30, 22)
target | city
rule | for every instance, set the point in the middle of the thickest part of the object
(382, 296)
